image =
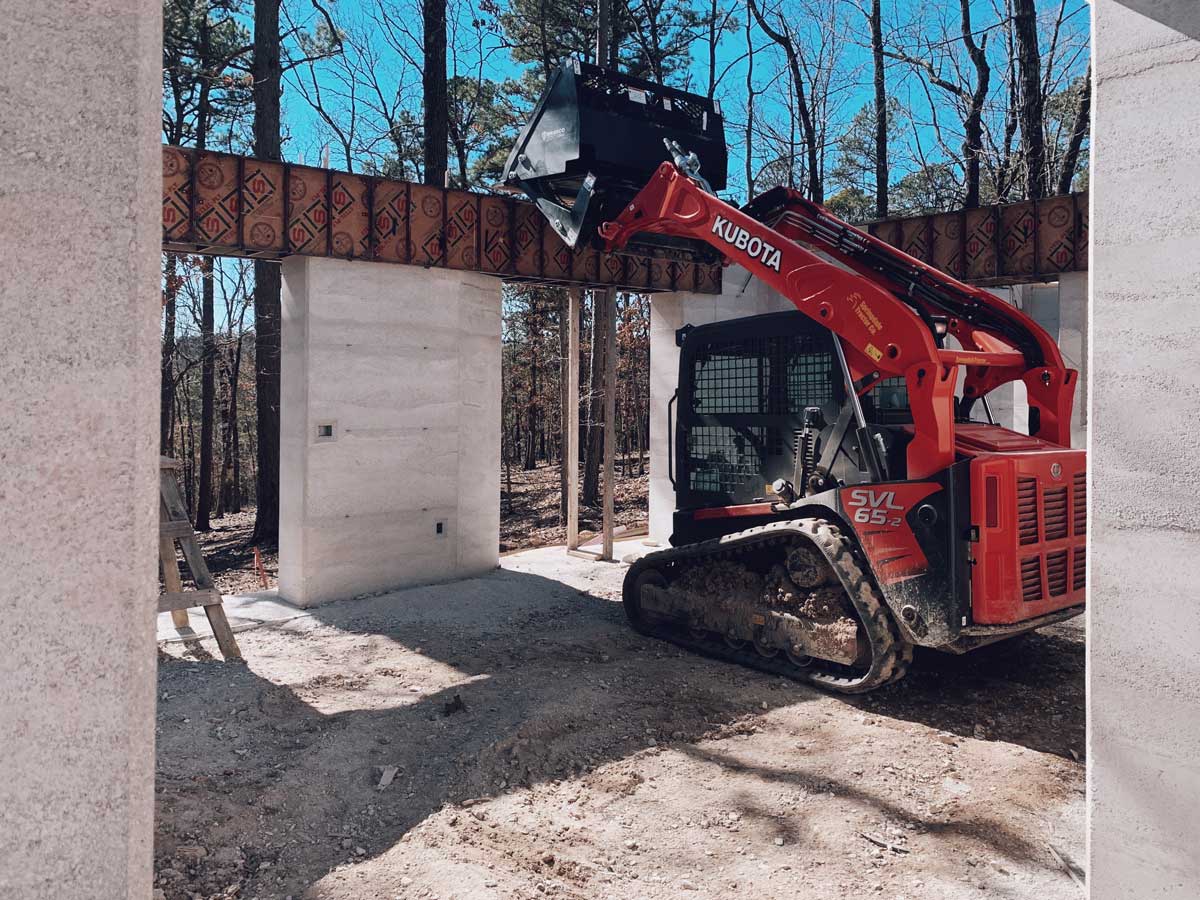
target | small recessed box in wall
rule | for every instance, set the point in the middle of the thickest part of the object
(327, 431)
(440, 529)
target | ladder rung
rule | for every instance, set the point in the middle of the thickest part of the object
(175, 529)
(171, 600)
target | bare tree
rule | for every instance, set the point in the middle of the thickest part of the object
(781, 34)
(433, 13)
(1078, 132)
(1031, 100)
(970, 93)
(875, 19)
(268, 144)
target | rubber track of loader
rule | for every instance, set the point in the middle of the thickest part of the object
(890, 653)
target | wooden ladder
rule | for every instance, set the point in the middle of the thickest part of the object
(174, 525)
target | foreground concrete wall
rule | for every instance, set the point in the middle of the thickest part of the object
(1144, 669)
(740, 296)
(401, 366)
(79, 311)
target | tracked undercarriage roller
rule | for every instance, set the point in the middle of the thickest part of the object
(788, 598)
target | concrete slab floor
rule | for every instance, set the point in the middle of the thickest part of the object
(259, 608)
(536, 746)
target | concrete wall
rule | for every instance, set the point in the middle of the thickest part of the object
(402, 364)
(79, 310)
(1144, 692)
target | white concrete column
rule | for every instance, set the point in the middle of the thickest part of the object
(1009, 403)
(666, 311)
(1073, 342)
(740, 296)
(1144, 556)
(80, 178)
(390, 421)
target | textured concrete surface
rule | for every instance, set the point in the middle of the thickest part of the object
(1145, 395)
(79, 313)
(403, 366)
(244, 611)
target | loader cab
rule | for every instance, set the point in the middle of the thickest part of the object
(744, 387)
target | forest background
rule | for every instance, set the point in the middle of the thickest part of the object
(875, 108)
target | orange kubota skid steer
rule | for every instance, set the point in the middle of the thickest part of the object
(842, 492)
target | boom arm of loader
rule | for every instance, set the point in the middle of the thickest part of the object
(883, 304)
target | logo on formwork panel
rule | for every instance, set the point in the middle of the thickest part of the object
(754, 247)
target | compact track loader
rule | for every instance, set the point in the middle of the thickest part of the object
(842, 491)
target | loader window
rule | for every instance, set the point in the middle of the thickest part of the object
(744, 403)
(767, 376)
(887, 402)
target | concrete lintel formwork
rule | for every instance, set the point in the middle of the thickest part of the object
(390, 427)
(1144, 673)
(79, 386)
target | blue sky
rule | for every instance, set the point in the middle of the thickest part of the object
(849, 92)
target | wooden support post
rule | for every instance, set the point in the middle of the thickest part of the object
(571, 422)
(610, 413)
(171, 580)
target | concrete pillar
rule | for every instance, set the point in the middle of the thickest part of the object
(1144, 558)
(390, 421)
(1073, 341)
(79, 313)
(741, 296)
(1009, 402)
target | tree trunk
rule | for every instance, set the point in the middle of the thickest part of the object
(166, 437)
(1029, 73)
(226, 450)
(973, 122)
(227, 490)
(267, 279)
(749, 112)
(460, 151)
(1078, 133)
(234, 504)
(531, 420)
(816, 189)
(433, 79)
(207, 397)
(595, 432)
(712, 48)
(564, 401)
(881, 114)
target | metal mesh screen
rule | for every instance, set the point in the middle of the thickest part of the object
(762, 376)
(810, 376)
(889, 399)
(722, 459)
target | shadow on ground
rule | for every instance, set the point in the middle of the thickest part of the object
(268, 774)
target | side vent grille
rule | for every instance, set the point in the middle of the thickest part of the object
(1031, 578)
(1054, 502)
(1079, 503)
(1056, 572)
(1027, 511)
(1079, 569)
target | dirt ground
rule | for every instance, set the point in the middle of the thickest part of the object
(537, 747)
(529, 515)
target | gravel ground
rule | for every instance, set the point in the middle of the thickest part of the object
(536, 747)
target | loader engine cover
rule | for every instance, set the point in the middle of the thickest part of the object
(596, 136)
